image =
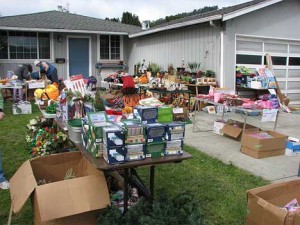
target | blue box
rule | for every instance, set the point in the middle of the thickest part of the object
(174, 147)
(175, 131)
(114, 155)
(155, 132)
(146, 114)
(113, 136)
(135, 152)
(293, 145)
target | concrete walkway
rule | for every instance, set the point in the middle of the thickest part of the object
(274, 169)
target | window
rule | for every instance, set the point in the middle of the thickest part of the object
(3, 45)
(294, 61)
(248, 59)
(24, 45)
(109, 47)
(277, 60)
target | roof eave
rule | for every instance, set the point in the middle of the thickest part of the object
(249, 9)
(177, 25)
(62, 30)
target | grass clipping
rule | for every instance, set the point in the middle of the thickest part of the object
(69, 174)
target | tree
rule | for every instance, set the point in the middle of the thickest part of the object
(129, 18)
(182, 15)
(113, 19)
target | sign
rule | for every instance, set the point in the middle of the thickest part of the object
(269, 115)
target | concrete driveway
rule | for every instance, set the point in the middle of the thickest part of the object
(274, 169)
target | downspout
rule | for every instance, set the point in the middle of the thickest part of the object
(221, 29)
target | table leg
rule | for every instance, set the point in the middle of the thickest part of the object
(152, 170)
(126, 190)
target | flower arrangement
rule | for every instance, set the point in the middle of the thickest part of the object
(43, 138)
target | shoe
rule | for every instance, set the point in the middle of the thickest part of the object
(4, 185)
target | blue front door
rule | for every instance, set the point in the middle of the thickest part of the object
(79, 56)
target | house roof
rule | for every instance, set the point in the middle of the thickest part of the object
(64, 22)
(220, 14)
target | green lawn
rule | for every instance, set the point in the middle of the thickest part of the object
(220, 189)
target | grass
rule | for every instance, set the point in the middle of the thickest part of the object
(219, 188)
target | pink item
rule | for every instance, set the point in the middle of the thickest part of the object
(217, 97)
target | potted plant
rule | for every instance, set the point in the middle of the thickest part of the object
(210, 73)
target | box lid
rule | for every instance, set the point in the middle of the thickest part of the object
(61, 197)
(22, 184)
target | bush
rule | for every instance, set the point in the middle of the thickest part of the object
(181, 210)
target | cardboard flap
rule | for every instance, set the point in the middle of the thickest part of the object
(231, 130)
(70, 197)
(22, 184)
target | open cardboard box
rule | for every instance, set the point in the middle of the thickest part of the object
(60, 201)
(265, 204)
(263, 147)
(234, 129)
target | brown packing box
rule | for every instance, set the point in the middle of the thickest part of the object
(234, 130)
(264, 204)
(60, 201)
(262, 154)
(267, 145)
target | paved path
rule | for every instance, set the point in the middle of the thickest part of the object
(275, 169)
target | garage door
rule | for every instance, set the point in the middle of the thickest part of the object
(250, 52)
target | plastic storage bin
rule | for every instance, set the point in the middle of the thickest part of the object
(75, 130)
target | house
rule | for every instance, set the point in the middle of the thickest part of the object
(220, 40)
(75, 44)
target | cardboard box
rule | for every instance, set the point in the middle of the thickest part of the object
(265, 204)
(22, 108)
(262, 154)
(292, 152)
(218, 126)
(146, 114)
(251, 140)
(257, 147)
(175, 131)
(36, 84)
(59, 201)
(115, 154)
(234, 129)
(155, 132)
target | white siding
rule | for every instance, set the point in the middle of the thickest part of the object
(199, 43)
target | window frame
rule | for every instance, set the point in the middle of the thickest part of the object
(110, 58)
(9, 59)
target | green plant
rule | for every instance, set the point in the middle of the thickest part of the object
(154, 68)
(194, 67)
(98, 102)
(210, 73)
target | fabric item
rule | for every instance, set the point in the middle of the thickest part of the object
(36, 62)
(2, 177)
(1, 102)
(128, 85)
(4, 185)
(49, 70)
(23, 71)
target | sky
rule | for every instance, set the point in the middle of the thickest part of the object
(144, 9)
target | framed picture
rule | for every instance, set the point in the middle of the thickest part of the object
(211, 110)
